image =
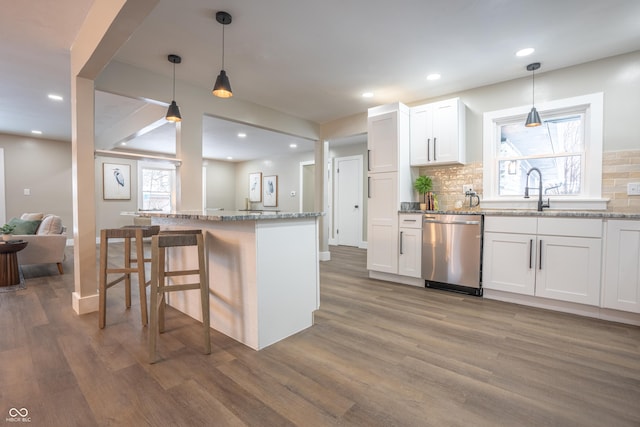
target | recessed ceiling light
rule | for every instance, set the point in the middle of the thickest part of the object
(242, 135)
(123, 143)
(434, 76)
(525, 52)
(367, 95)
(36, 132)
(55, 97)
(229, 158)
(293, 145)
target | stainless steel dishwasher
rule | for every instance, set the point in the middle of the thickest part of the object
(451, 252)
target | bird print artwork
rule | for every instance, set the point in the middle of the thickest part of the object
(119, 177)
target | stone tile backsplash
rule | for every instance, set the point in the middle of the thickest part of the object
(618, 169)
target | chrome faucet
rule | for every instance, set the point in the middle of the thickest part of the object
(526, 190)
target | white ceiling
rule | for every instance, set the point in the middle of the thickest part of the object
(309, 59)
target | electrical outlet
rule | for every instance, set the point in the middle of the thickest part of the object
(466, 188)
(633, 189)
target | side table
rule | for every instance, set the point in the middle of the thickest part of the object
(9, 270)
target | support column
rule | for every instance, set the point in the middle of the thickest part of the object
(189, 150)
(321, 201)
(85, 296)
(108, 25)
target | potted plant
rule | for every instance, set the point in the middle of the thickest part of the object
(423, 185)
(6, 231)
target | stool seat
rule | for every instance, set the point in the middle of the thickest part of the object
(124, 272)
(164, 281)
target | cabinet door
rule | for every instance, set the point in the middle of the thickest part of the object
(509, 262)
(409, 261)
(446, 147)
(382, 224)
(382, 142)
(568, 269)
(421, 140)
(622, 266)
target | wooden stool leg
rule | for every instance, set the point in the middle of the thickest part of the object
(102, 289)
(162, 281)
(204, 296)
(142, 281)
(127, 276)
(153, 301)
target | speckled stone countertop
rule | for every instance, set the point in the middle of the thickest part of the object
(524, 212)
(222, 215)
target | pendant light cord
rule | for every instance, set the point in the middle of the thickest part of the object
(174, 82)
(223, 47)
(533, 84)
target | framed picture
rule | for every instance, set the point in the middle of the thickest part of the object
(270, 191)
(116, 181)
(255, 187)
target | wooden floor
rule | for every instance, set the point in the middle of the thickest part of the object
(379, 354)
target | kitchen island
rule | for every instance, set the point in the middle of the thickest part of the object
(264, 282)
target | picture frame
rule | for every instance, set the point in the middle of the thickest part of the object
(270, 190)
(255, 187)
(116, 181)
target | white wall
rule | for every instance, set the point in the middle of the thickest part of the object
(617, 77)
(287, 167)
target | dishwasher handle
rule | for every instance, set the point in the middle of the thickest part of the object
(437, 221)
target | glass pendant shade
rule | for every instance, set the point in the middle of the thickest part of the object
(222, 88)
(533, 119)
(173, 113)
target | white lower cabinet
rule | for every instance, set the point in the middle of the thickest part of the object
(556, 258)
(621, 287)
(382, 224)
(410, 251)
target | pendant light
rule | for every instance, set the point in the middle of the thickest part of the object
(222, 88)
(533, 119)
(173, 113)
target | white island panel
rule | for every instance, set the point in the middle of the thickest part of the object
(263, 276)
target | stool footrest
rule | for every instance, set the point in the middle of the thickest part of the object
(182, 287)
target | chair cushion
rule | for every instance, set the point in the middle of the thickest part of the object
(24, 226)
(51, 224)
(32, 216)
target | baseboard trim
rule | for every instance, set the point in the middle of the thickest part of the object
(324, 256)
(83, 305)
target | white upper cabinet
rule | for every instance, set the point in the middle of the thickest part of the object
(438, 133)
(388, 138)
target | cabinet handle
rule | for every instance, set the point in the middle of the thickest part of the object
(428, 149)
(368, 187)
(434, 149)
(540, 260)
(530, 254)
(368, 160)
(401, 242)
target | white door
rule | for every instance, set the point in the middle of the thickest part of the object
(348, 223)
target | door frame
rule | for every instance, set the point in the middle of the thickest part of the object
(301, 190)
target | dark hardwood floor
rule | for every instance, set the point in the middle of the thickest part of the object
(379, 354)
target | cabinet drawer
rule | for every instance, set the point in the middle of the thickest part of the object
(576, 227)
(411, 220)
(510, 224)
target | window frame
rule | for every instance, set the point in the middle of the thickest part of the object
(592, 106)
(159, 166)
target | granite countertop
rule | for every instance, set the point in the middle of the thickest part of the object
(524, 212)
(221, 215)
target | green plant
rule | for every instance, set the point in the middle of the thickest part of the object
(423, 185)
(7, 228)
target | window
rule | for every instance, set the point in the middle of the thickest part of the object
(566, 150)
(157, 187)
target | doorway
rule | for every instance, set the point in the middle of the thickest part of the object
(348, 201)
